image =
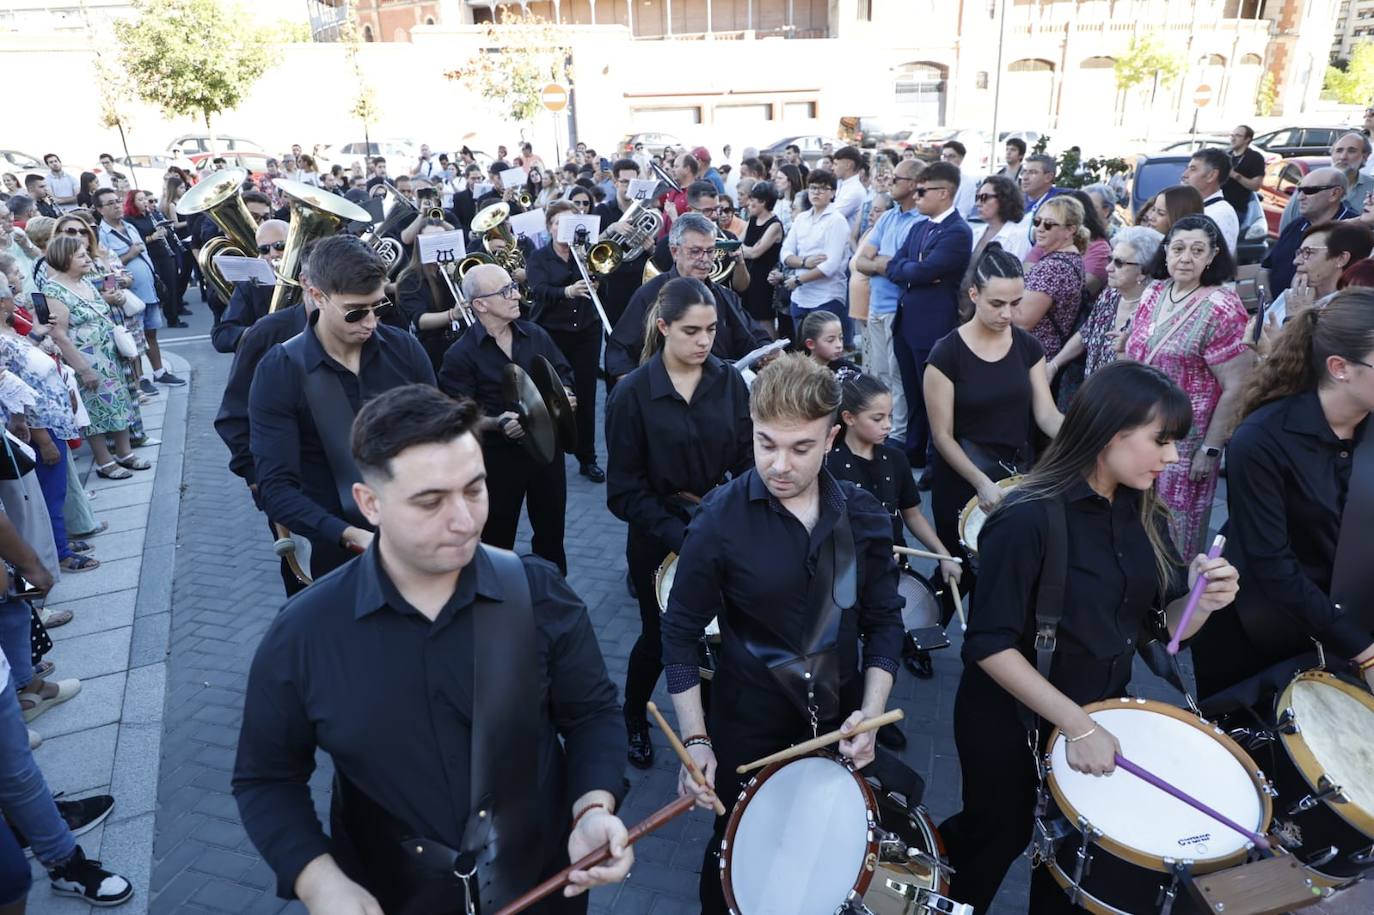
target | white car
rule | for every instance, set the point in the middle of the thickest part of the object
(397, 152)
(145, 172)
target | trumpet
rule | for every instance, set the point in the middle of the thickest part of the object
(579, 256)
(615, 246)
(523, 198)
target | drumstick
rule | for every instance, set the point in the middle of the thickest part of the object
(1198, 587)
(922, 554)
(681, 752)
(1191, 801)
(958, 603)
(559, 880)
(825, 740)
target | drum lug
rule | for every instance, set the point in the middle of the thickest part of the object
(1045, 840)
(941, 905)
(1287, 723)
(1325, 791)
(1326, 856)
(1363, 858)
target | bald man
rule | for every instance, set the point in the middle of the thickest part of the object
(1349, 153)
(251, 300)
(1321, 198)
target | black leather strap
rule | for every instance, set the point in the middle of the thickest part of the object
(1049, 595)
(333, 415)
(1352, 575)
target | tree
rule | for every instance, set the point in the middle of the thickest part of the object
(364, 99)
(1266, 96)
(1075, 171)
(521, 55)
(194, 57)
(1355, 84)
(1146, 59)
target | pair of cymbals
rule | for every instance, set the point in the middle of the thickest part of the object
(545, 412)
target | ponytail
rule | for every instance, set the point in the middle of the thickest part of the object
(858, 391)
(677, 295)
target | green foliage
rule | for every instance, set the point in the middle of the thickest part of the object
(1266, 96)
(521, 55)
(364, 99)
(194, 57)
(1146, 59)
(1074, 171)
(1355, 84)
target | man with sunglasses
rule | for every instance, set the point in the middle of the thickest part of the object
(306, 392)
(474, 367)
(250, 301)
(1321, 198)
(1349, 153)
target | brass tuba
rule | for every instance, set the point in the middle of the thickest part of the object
(220, 197)
(615, 246)
(315, 214)
(396, 209)
(490, 224)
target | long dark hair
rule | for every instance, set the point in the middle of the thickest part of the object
(1092, 220)
(1118, 397)
(677, 295)
(414, 275)
(858, 391)
(1344, 327)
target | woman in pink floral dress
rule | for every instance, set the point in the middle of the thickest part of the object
(1193, 329)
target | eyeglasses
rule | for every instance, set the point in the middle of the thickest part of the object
(708, 211)
(819, 189)
(922, 191)
(1118, 263)
(273, 246)
(896, 178)
(1045, 224)
(698, 254)
(73, 230)
(1307, 251)
(354, 315)
(1318, 188)
(508, 291)
(984, 198)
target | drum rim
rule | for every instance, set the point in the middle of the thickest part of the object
(751, 788)
(936, 593)
(1308, 766)
(1135, 855)
(1087, 901)
(928, 826)
(1004, 483)
(658, 581)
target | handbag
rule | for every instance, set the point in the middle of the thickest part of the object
(133, 305)
(124, 342)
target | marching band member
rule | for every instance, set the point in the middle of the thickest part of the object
(1091, 499)
(512, 717)
(306, 392)
(1294, 506)
(424, 299)
(473, 368)
(782, 552)
(251, 301)
(675, 427)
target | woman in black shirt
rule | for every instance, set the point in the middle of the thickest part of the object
(424, 300)
(1288, 473)
(1121, 578)
(983, 383)
(762, 244)
(675, 427)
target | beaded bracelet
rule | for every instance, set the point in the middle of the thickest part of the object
(698, 740)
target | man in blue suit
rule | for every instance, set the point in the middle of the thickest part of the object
(929, 268)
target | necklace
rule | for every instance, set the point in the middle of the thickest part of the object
(1165, 316)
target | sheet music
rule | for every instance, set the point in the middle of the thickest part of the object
(245, 269)
(450, 243)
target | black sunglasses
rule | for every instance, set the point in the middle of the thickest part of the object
(354, 315)
(1317, 189)
(1045, 224)
(922, 191)
(1119, 263)
(274, 246)
(984, 198)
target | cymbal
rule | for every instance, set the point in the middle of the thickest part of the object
(540, 439)
(556, 400)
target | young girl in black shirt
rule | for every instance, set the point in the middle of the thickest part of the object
(822, 337)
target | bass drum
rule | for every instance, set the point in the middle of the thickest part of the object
(1116, 844)
(971, 519)
(663, 586)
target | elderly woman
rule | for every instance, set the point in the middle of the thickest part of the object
(84, 331)
(1104, 202)
(1192, 327)
(1133, 251)
(1002, 207)
(1054, 285)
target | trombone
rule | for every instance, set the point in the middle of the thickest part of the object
(579, 256)
(448, 266)
(662, 174)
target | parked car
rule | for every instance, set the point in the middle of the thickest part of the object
(1220, 142)
(192, 143)
(255, 162)
(812, 147)
(145, 172)
(1291, 142)
(1155, 173)
(872, 131)
(397, 152)
(12, 160)
(1281, 180)
(653, 143)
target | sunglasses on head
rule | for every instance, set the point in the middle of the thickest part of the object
(272, 246)
(354, 315)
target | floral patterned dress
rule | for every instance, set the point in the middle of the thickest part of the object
(92, 333)
(1059, 276)
(1206, 330)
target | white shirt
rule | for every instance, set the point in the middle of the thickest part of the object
(63, 185)
(849, 199)
(826, 234)
(963, 198)
(1224, 215)
(1012, 237)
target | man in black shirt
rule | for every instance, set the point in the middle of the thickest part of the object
(692, 242)
(784, 552)
(618, 286)
(508, 723)
(473, 367)
(250, 301)
(1247, 172)
(464, 203)
(306, 392)
(499, 193)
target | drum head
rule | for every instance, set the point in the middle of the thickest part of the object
(921, 606)
(797, 844)
(972, 518)
(1139, 821)
(663, 581)
(1335, 721)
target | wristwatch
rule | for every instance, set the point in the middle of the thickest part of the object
(1210, 450)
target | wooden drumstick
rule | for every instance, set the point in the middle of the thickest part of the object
(958, 602)
(923, 554)
(825, 740)
(682, 754)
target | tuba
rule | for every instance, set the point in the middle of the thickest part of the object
(489, 224)
(315, 214)
(220, 197)
(395, 210)
(614, 246)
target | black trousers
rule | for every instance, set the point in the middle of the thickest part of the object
(643, 556)
(949, 493)
(512, 476)
(582, 349)
(912, 364)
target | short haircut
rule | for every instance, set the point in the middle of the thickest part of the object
(1248, 131)
(257, 197)
(1216, 160)
(624, 165)
(47, 156)
(699, 189)
(849, 154)
(1348, 236)
(557, 208)
(941, 171)
(890, 155)
(404, 417)
(1045, 162)
(764, 193)
(1011, 203)
(958, 147)
(1142, 240)
(1223, 266)
(1018, 144)
(794, 388)
(793, 147)
(30, 181)
(20, 205)
(62, 249)
(101, 194)
(690, 222)
(690, 162)
(822, 177)
(345, 264)
(754, 164)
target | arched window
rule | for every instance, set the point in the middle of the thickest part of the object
(367, 33)
(1211, 60)
(1251, 60)
(429, 20)
(1031, 65)
(1097, 63)
(920, 90)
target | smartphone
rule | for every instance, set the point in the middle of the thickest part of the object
(1261, 305)
(110, 283)
(40, 307)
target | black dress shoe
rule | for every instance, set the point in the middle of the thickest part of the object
(183, 310)
(592, 471)
(891, 736)
(641, 753)
(919, 665)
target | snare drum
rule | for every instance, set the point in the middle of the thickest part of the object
(663, 586)
(805, 839)
(1115, 844)
(920, 610)
(1325, 774)
(972, 517)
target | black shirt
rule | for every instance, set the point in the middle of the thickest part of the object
(736, 335)
(247, 305)
(546, 276)
(415, 298)
(747, 555)
(464, 207)
(232, 420)
(474, 364)
(992, 400)
(294, 478)
(403, 737)
(1248, 164)
(887, 477)
(1287, 478)
(1111, 589)
(660, 445)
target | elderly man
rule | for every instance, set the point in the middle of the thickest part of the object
(1206, 172)
(1349, 153)
(251, 300)
(1326, 250)
(1321, 198)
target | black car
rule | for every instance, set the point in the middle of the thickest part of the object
(1300, 141)
(812, 147)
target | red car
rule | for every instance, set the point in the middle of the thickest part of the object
(1281, 179)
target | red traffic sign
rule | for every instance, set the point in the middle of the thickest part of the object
(1202, 96)
(555, 97)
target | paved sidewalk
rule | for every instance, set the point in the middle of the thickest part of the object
(107, 739)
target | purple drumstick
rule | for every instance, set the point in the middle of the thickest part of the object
(1191, 801)
(1194, 596)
